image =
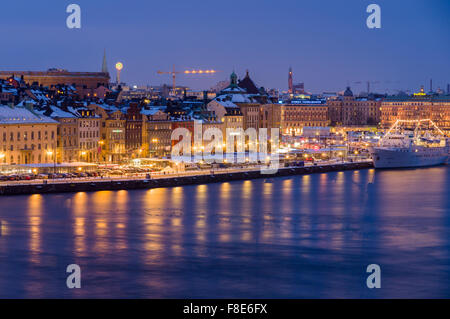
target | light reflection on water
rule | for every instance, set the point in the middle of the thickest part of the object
(302, 236)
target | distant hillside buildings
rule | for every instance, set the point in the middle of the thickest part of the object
(60, 116)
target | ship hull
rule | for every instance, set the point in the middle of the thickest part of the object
(403, 158)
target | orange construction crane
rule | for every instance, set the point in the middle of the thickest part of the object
(174, 73)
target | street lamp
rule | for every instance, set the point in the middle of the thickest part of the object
(83, 154)
(50, 153)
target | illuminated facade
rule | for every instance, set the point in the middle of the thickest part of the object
(68, 139)
(295, 116)
(88, 136)
(26, 137)
(418, 106)
(349, 110)
(159, 131)
(112, 133)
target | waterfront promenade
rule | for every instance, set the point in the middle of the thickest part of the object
(156, 179)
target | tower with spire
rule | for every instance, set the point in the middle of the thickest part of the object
(104, 65)
(290, 82)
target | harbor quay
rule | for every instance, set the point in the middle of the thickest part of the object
(148, 181)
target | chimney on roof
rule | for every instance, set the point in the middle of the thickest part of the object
(29, 106)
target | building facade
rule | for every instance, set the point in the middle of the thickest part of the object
(311, 113)
(112, 133)
(348, 110)
(416, 107)
(26, 137)
(52, 77)
(88, 136)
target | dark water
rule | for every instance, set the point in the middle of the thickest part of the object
(306, 236)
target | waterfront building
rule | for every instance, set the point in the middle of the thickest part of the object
(112, 132)
(300, 113)
(26, 137)
(88, 135)
(270, 116)
(159, 132)
(348, 110)
(418, 106)
(136, 143)
(68, 144)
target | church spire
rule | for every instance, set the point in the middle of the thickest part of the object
(104, 65)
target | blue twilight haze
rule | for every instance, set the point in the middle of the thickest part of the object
(327, 43)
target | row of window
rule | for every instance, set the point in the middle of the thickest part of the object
(89, 134)
(24, 147)
(28, 159)
(27, 135)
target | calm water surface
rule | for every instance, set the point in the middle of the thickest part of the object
(306, 236)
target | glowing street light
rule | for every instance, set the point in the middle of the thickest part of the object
(119, 67)
(50, 153)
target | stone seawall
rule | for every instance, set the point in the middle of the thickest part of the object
(98, 185)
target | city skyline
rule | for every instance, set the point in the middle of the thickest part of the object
(199, 150)
(328, 48)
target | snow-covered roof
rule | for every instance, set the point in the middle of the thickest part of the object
(235, 89)
(39, 95)
(236, 98)
(57, 112)
(226, 103)
(108, 108)
(152, 111)
(22, 115)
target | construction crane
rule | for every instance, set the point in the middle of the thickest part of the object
(375, 82)
(368, 84)
(174, 74)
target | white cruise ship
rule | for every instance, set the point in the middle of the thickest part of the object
(409, 149)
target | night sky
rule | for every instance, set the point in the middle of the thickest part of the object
(327, 43)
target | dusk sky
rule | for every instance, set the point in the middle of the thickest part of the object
(327, 43)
